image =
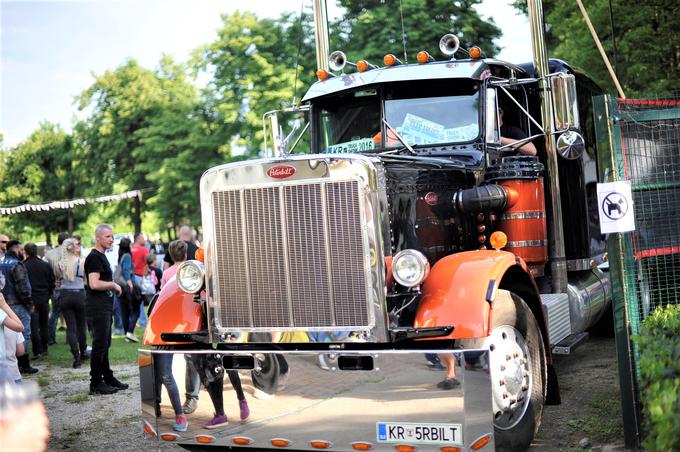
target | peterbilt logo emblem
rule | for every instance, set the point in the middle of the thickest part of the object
(281, 171)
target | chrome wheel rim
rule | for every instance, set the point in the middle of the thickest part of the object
(511, 377)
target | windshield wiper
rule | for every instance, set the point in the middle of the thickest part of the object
(396, 134)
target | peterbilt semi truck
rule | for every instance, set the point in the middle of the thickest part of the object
(333, 276)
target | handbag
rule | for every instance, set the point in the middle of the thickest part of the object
(118, 274)
(148, 286)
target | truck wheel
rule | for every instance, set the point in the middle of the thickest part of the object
(518, 372)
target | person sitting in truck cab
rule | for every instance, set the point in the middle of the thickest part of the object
(511, 134)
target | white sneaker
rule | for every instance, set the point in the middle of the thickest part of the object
(131, 337)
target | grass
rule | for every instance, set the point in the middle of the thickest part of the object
(121, 352)
(77, 398)
(601, 420)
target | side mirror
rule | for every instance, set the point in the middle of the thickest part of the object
(280, 127)
(565, 105)
(571, 145)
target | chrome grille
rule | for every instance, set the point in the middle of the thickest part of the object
(290, 256)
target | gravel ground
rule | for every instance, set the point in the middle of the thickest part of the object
(80, 422)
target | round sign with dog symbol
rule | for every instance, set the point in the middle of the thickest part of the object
(615, 200)
(615, 206)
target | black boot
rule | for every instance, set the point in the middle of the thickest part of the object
(25, 365)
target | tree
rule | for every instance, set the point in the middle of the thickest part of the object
(45, 167)
(648, 45)
(372, 28)
(131, 107)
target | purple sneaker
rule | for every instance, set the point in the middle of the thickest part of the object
(245, 411)
(217, 422)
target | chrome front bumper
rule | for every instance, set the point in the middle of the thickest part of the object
(338, 407)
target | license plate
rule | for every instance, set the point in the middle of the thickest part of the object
(413, 433)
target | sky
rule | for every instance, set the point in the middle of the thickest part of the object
(49, 50)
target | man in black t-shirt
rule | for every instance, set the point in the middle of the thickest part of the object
(511, 134)
(185, 235)
(99, 309)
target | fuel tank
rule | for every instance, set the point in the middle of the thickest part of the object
(589, 297)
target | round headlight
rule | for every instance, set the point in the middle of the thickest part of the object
(190, 276)
(410, 267)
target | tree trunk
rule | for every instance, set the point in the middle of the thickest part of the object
(48, 237)
(69, 222)
(137, 215)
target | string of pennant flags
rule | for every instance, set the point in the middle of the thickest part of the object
(68, 204)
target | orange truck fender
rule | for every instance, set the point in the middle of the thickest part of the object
(174, 312)
(461, 287)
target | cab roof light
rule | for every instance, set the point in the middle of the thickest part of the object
(363, 66)
(449, 449)
(424, 57)
(169, 436)
(475, 53)
(323, 74)
(391, 60)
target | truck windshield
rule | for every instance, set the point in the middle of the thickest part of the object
(422, 114)
(432, 120)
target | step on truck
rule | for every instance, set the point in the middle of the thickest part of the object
(392, 276)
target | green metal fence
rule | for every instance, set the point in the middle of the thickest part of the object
(639, 141)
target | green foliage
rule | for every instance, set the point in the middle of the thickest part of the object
(372, 28)
(648, 45)
(48, 161)
(659, 347)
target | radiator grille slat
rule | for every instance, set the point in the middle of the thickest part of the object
(349, 279)
(231, 285)
(265, 250)
(307, 256)
(321, 284)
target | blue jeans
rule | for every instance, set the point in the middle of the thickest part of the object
(22, 312)
(54, 315)
(192, 381)
(162, 363)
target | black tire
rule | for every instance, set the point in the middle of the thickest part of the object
(514, 336)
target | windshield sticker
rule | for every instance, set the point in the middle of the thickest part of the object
(425, 130)
(348, 147)
(465, 133)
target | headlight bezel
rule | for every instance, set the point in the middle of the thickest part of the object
(199, 276)
(414, 257)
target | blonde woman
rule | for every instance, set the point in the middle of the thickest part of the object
(72, 299)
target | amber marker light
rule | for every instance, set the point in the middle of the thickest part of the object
(363, 66)
(242, 440)
(404, 448)
(144, 359)
(424, 57)
(321, 444)
(475, 53)
(498, 240)
(322, 74)
(361, 445)
(169, 436)
(391, 60)
(449, 449)
(481, 442)
(280, 442)
(200, 254)
(205, 439)
(148, 429)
